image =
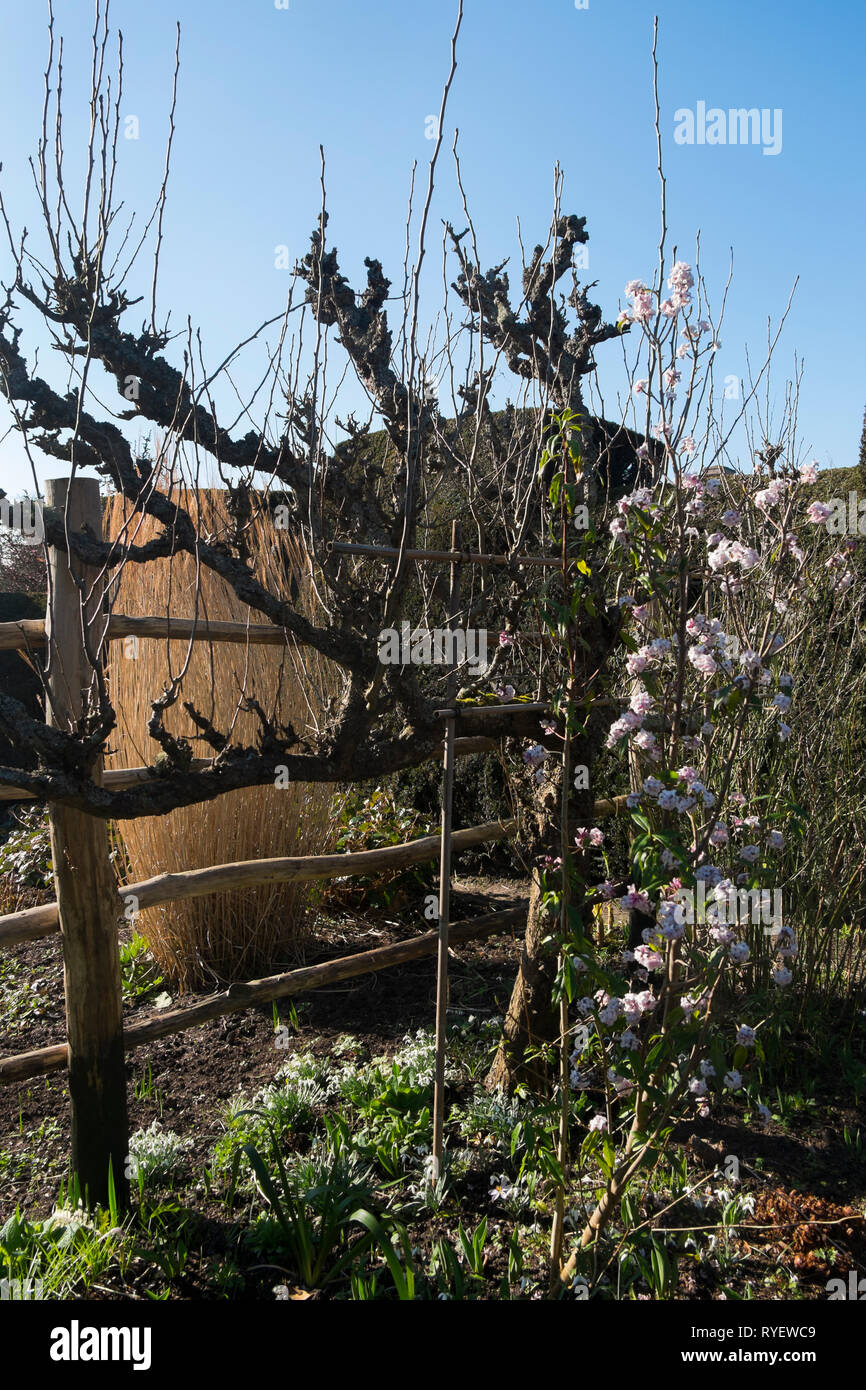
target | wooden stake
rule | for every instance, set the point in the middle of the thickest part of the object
(83, 876)
(445, 882)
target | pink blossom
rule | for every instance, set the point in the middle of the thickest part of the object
(648, 958)
(702, 661)
(681, 279)
(635, 899)
(817, 512)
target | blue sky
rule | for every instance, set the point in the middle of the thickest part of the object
(261, 88)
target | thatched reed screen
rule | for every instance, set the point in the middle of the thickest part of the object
(199, 943)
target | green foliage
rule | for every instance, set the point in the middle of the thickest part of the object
(314, 1207)
(63, 1255)
(374, 819)
(139, 972)
(25, 858)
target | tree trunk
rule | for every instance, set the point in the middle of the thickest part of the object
(531, 1021)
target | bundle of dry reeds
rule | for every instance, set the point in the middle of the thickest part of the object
(233, 935)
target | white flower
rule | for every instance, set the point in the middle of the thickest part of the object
(733, 1080)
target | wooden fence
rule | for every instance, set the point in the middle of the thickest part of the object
(89, 903)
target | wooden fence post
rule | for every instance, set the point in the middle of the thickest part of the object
(83, 876)
(445, 880)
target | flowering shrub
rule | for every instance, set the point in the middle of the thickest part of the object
(714, 575)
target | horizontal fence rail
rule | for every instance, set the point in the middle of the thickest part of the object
(243, 996)
(32, 923)
(30, 632)
(35, 922)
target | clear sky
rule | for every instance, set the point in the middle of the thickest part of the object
(538, 81)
